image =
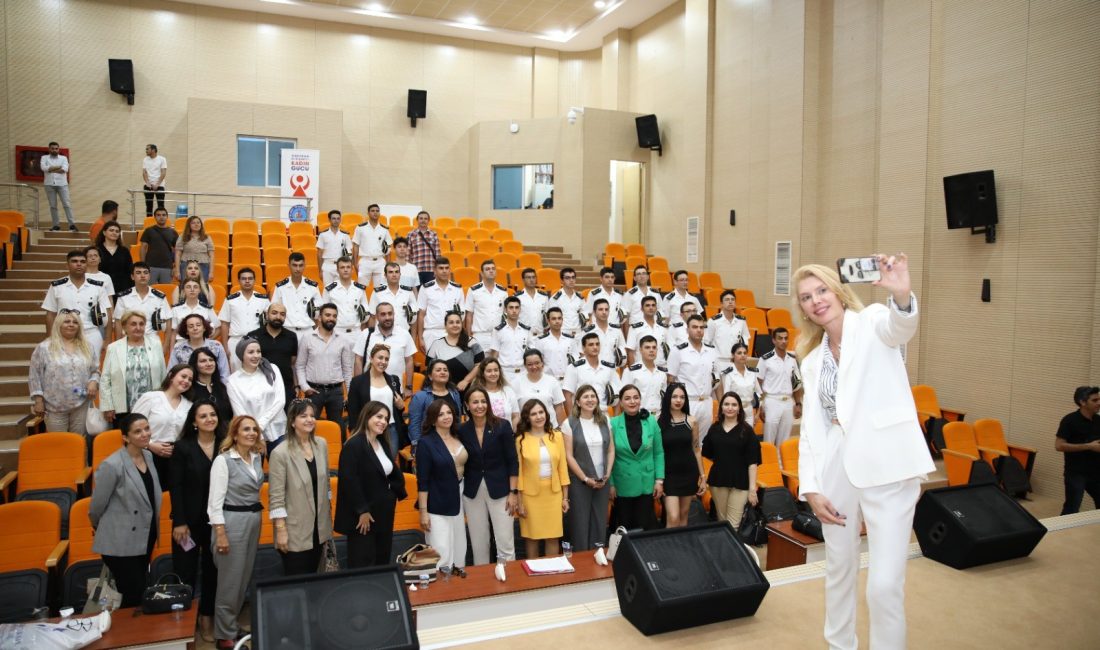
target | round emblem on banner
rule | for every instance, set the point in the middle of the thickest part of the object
(298, 213)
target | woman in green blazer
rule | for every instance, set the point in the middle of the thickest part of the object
(638, 475)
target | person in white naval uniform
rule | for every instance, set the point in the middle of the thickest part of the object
(87, 297)
(400, 296)
(436, 299)
(612, 345)
(532, 303)
(350, 299)
(678, 296)
(726, 328)
(647, 326)
(608, 292)
(241, 313)
(510, 340)
(649, 377)
(299, 295)
(332, 244)
(633, 298)
(556, 346)
(569, 301)
(485, 306)
(692, 364)
(590, 370)
(780, 381)
(371, 242)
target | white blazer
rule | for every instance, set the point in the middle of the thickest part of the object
(874, 404)
(112, 380)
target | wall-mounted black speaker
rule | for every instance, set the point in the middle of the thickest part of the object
(971, 525)
(649, 136)
(418, 105)
(364, 608)
(683, 577)
(122, 77)
(971, 199)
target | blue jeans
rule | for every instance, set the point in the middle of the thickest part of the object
(52, 193)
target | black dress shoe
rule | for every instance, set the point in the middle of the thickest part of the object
(73, 228)
(55, 229)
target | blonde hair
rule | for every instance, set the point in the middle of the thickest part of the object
(230, 440)
(812, 333)
(56, 339)
(130, 313)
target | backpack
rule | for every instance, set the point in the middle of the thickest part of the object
(778, 504)
(981, 474)
(933, 433)
(1011, 476)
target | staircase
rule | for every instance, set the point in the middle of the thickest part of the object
(23, 326)
(555, 257)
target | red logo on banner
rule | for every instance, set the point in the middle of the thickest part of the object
(299, 183)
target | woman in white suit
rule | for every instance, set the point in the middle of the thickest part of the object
(861, 451)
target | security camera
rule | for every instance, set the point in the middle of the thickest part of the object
(571, 116)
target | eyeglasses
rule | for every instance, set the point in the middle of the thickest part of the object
(69, 311)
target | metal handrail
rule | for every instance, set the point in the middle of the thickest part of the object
(242, 205)
(18, 189)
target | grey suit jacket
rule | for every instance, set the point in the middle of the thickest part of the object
(120, 512)
(291, 494)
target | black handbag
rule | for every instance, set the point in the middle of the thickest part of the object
(808, 524)
(164, 597)
(754, 528)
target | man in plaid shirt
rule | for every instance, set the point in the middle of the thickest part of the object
(424, 247)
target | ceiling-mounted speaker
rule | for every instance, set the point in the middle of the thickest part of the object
(418, 105)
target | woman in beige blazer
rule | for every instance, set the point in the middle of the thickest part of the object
(299, 490)
(115, 397)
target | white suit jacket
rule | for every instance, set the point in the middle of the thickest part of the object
(112, 380)
(874, 404)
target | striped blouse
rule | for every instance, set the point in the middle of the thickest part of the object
(827, 386)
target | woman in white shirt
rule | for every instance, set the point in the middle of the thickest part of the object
(193, 302)
(590, 455)
(535, 384)
(502, 399)
(166, 409)
(257, 390)
(741, 379)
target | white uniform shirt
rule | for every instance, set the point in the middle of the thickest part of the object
(693, 368)
(402, 300)
(571, 308)
(632, 302)
(154, 169)
(165, 422)
(677, 334)
(611, 340)
(722, 334)
(108, 284)
(63, 294)
(532, 309)
(651, 383)
(295, 299)
(54, 178)
(602, 377)
(510, 343)
(373, 241)
(614, 300)
(243, 314)
(348, 300)
(183, 310)
(546, 390)
(486, 305)
(745, 385)
(332, 245)
(401, 347)
(410, 275)
(671, 307)
(435, 301)
(641, 329)
(153, 301)
(556, 352)
(777, 375)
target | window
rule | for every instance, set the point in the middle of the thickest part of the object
(523, 187)
(259, 160)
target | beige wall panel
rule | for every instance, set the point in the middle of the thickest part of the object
(578, 79)
(544, 85)
(285, 61)
(812, 79)
(342, 65)
(6, 166)
(226, 53)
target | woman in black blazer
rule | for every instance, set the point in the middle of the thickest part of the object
(370, 486)
(440, 463)
(377, 385)
(492, 472)
(192, 457)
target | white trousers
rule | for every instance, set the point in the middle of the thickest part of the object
(482, 509)
(430, 336)
(703, 412)
(95, 341)
(448, 537)
(778, 419)
(485, 340)
(888, 512)
(328, 273)
(372, 271)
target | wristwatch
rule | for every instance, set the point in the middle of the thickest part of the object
(514, 491)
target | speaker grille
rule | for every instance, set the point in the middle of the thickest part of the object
(982, 511)
(690, 565)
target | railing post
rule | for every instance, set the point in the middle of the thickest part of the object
(133, 212)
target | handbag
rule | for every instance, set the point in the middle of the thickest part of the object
(163, 597)
(330, 561)
(613, 543)
(94, 422)
(419, 560)
(102, 593)
(807, 524)
(754, 527)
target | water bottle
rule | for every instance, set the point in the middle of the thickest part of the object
(104, 604)
(424, 581)
(177, 611)
(567, 549)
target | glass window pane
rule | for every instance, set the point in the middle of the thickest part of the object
(250, 160)
(508, 187)
(274, 160)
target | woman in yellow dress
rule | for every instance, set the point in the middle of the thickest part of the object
(543, 475)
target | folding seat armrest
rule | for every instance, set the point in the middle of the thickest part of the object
(57, 554)
(7, 482)
(762, 484)
(789, 473)
(1030, 450)
(988, 453)
(959, 455)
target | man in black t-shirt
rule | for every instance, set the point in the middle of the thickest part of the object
(1079, 439)
(279, 346)
(158, 248)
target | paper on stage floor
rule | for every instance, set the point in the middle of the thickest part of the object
(548, 565)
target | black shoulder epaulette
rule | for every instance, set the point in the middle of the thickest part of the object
(617, 326)
(545, 293)
(526, 327)
(638, 324)
(716, 317)
(429, 283)
(726, 371)
(754, 369)
(94, 282)
(409, 289)
(120, 293)
(455, 284)
(182, 300)
(768, 355)
(633, 290)
(361, 287)
(568, 336)
(608, 364)
(383, 225)
(60, 281)
(331, 286)
(500, 327)
(680, 324)
(792, 355)
(595, 291)
(739, 316)
(709, 345)
(261, 295)
(365, 223)
(544, 335)
(156, 292)
(282, 282)
(383, 287)
(312, 283)
(636, 366)
(681, 346)
(579, 362)
(589, 328)
(613, 290)
(557, 295)
(477, 286)
(662, 368)
(235, 294)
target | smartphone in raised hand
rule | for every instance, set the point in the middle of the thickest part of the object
(854, 270)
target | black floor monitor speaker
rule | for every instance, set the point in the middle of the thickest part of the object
(678, 578)
(971, 199)
(364, 608)
(971, 525)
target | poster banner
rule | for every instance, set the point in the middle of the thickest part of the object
(300, 178)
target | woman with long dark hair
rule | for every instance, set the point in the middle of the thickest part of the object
(377, 385)
(440, 466)
(207, 383)
(370, 486)
(683, 465)
(167, 410)
(437, 385)
(115, 258)
(638, 476)
(194, 246)
(733, 447)
(490, 491)
(458, 350)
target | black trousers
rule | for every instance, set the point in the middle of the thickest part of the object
(635, 512)
(296, 563)
(1076, 487)
(129, 573)
(332, 401)
(186, 565)
(376, 547)
(426, 276)
(150, 192)
(164, 471)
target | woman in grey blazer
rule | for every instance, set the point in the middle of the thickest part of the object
(300, 501)
(590, 455)
(125, 510)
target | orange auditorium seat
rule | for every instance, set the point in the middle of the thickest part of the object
(489, 224)
(511, 246)
(530, 260)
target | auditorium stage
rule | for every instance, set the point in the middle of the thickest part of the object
(1048, 600)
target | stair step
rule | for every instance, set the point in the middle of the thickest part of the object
(16, 351)
(36, 254)
(9, 450)
(33, 336)
(20, 273)
(15, 368)
(41, 265)
(18, 405)
(24, 304)
(14, 386)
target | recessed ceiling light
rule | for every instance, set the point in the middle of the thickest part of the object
(377, 6)
(470, 20)
(599, 4)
